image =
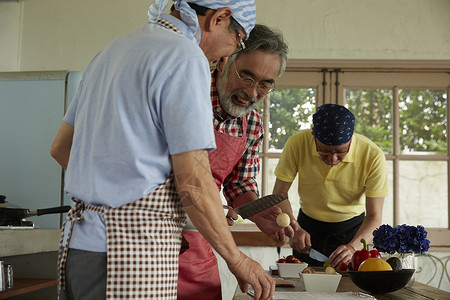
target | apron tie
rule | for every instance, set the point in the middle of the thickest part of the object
(75, 215)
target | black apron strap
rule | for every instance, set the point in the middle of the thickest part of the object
(325, 236)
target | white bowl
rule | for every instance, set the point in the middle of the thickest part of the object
(320, 282)
(290, 269)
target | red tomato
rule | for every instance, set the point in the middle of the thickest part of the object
(343, 266)
(281, 260)
(375, 254)
(290, 259)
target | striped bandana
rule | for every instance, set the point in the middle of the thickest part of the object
(244, 12)
(333, 124)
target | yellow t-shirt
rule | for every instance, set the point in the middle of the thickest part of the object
(333, 194)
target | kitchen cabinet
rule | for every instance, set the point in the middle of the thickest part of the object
(27, 285)
(33, 254)
(32, 105)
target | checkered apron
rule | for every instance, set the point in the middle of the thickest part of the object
(143, 242)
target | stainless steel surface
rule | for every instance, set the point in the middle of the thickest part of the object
(2, 276)
(314, 254)
(259, 205)
(9, 276)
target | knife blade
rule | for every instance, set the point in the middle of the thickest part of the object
(314, 254)
(258, 205)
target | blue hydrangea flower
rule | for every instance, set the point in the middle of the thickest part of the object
(401, 239)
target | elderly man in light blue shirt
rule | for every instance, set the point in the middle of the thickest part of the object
(140, 126)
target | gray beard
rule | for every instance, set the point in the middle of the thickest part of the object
(226, 101)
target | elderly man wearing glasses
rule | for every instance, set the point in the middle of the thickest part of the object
(239, 83)
(342, 182)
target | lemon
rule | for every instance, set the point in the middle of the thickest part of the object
(374, 264)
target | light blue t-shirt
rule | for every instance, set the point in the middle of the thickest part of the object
(143, 98)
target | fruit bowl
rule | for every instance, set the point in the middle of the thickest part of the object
(381, 282)
(290, 269)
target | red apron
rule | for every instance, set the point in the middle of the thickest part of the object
(198, 274)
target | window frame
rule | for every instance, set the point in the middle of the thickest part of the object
(330, 78)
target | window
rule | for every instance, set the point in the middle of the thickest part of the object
(401, 106)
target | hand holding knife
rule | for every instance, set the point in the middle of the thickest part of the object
(314, 254)
(255, 207)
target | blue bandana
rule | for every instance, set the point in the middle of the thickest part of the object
(244, 12)
(333, 124)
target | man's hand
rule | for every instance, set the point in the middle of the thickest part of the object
(248, 271)
(267, 223)
(300, 241)
(342, 254)
(231, 215)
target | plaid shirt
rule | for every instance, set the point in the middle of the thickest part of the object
(243, 177)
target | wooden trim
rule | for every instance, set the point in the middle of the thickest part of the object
(417, 157)
(400, 157)
(27, 285)
(271, 154)
(439, 237)
(255, 239)
(368, 65)
(396, 150)
(248, 234)
(265, 146)
(448, 163)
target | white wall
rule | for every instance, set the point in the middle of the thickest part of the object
(361, 29)
(65, 35)
(10, 17)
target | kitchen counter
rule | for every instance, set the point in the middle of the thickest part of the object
(27, 285)
(19, 241)
(416, 291)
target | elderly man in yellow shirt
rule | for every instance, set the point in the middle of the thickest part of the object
(342, 182)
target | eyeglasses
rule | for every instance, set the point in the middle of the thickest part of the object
(332, 153)
(246, 82)
(338, 153)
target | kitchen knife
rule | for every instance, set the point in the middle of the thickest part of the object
(258, 205)
(314, 254)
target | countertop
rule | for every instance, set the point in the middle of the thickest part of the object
(19, 241)
(416, 291)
